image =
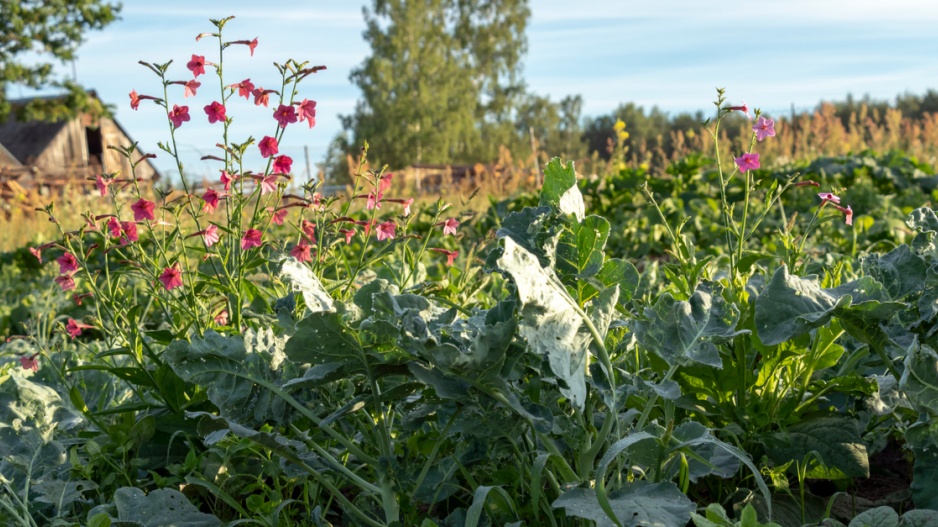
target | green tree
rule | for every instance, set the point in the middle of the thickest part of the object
(443, 82)
(53, 30)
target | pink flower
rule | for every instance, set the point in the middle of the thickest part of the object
(66, 282)
(226, 180)
(67, 263)
(309, 230)
(37, 253)
(268, 146)
(249, 43)
(261, 96)
(211, 199)
(114, 227)
(210, 235)
(743, 108)
(244, 87)
(74, 327)
(130, 230)
(374, 202)
(386, 231)
(215, 112)
(78, 298)
(348, 234)
(449, 226)
(764, 128)
(171, 278)
(179, 115)
(285, 115)
(283, 164)
(301, 252)
(828, 196)
(251, 238)
(450, 255)
(30, 362)
(407, 203)
(135, 99)
(191, 87)
(102, 184)
(143, 209)
(747, 162)
(384, 184)
(307, 111)
(848, 213)
(222, 318)
(268, 184)
(277, 216)
(196, 65)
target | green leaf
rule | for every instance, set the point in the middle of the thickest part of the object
(301, 278)
(919, 518)
(233, 370)
(879, 517)
(901, 272)
(160, 508)
(321, 338)
(478, 501)
(635, 504)
(919, 379)
(550, 324)
(560, 190)
(832, 445)
(580, 248)
(681, 332)
(99, 520)
(924, 485)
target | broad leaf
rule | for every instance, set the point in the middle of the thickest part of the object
(635, 504)
(321, 338)
(560, 190)
(551, 325)
(878, 517)
(580, 248)
(160, 508)
(836, 448)
(919, 379)
(302, 279)
(684, 331)
(901, 272)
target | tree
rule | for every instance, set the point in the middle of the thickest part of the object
(443, 81)
(47, 28)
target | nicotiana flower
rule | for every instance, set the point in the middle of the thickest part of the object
(102, 184)
(828, 196)
(306, 110)
(29, 362)
(211, 199)
(143, 209)
(171, 278)
(66, 282)
(450, 255)
(129, 229)
(285, 115)
(67, 263)
(301, 252)
(309, 230)
(196, 65)
(251, 238)
(215, 112)
(283, 164)
(268, 146)
(449, 226)
(742, 108)
(210, 235)
(747, 162)
(74, 327)
(226, 180)
(245, 88)
(764, 128)
(348, 234)
(386, 230)
(179, 115)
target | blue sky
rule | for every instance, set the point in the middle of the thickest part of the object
(669, 53)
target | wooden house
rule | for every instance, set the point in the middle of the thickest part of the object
(48, 157)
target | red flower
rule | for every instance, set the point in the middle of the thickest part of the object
(102, 184)
(74, 327)
(244, 87)
(306, 110)
(143, 209)
(268, 146)
(179, 115)
(78, 298)
(114, 227)
(67, 263)
(196, 65)
(251, 238)
(374, 202)
(348, 234)
(261, 96)
(386, 231)
(210, 235)
(215, 112)
(277, 216)
(211, 199)
(301, 252)
(742, 108)
(450, 255)
(249, 43)
(384, 184)
(285, 115)
(191, 86)
(171, 278)
(283, 164)
(130, 231)
(30, 362)
(848, 213)
(309, 230)
(37, 253)
(66, 282)
(135, 99)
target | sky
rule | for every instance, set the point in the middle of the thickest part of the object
(772, 54)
